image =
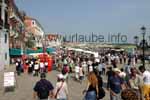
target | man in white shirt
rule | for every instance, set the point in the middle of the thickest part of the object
(84, 66)
(77, 69)
(90, 68)
(46, 66)
(36, 69)
(146, 80)
(42, 67)
(90, 62)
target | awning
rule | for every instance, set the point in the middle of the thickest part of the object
(19, 52)
(14, 52)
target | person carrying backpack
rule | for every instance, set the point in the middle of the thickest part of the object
(43, 89)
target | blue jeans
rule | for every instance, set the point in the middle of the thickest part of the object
(116, 97)
(43, 99)
(62, 99)
(90, 95)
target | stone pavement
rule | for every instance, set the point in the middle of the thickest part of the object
(25, 83)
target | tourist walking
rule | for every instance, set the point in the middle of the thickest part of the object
(61, 89)
(81, 73)
(92, 87)
(109, 74)
(36, 69)
(135, 83)
(115, 85)
(43, 89)
(18, 66)
(146, 82)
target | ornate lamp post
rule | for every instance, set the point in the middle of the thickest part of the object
(143, 44)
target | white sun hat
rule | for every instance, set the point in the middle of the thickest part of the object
(60, 76)
(116, 70)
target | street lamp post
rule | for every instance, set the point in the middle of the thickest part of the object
(44, 47)
(143, 44)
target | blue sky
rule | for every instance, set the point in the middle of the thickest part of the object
(86, 16)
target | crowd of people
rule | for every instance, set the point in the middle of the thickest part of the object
(125, 80)
(31, 65)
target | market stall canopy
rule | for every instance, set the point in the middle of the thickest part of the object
(118, 50)
(84, 51)
(19, 52)
(35, 54)
(15, 52)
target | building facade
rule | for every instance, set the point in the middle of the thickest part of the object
(52, 40)
(17, 27)
(4, 29)
(35, 29)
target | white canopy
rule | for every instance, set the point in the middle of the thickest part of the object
(85, 51)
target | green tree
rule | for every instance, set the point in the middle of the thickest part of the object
(30, 43)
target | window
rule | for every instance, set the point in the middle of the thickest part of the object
(6, 25)
(1, 21)
(5, 56)
(33, 23)
(5, 38)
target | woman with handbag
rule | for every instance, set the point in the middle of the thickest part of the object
(61, 89)
(101, 90)
(92, 87)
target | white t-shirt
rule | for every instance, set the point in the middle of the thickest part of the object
(30, 65)
(90, 68)
(36, 66)
(112, 57)
(77, 69)
(46, 63)
(41, 65)
(84, 64)
(122, 74)
(80, 71)
(97, 60)
(90, 62)
(17, 64)
(146, 77)
(100, 66)
(63, 91)
(32, 62)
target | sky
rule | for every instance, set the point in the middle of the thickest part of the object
(86, 16)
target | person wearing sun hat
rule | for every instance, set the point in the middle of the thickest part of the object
(115, 85)
(60, 76)
(117, 70)
(61, 89)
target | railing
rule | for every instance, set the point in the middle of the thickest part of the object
(16, 11)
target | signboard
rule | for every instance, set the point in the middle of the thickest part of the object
(9, 79)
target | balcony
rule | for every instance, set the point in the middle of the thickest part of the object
(15, 18)
(15, 14)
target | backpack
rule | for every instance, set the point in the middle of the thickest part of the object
(101, 93)
(129, 94)
(65, 70)
(43, 92)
